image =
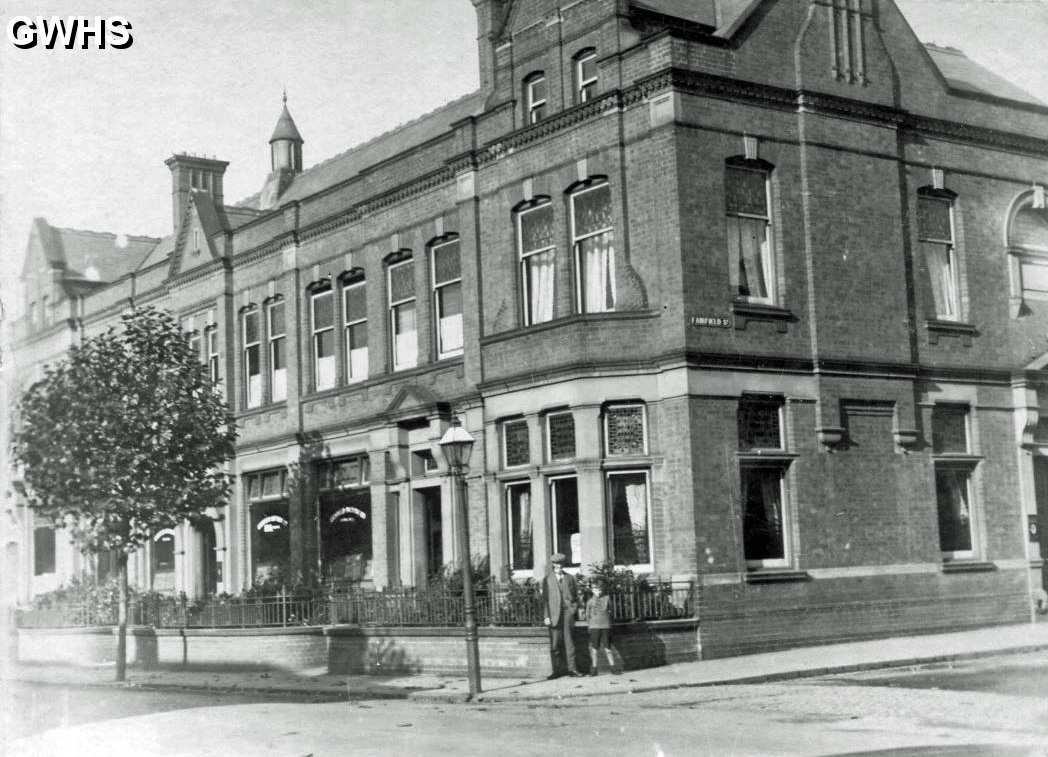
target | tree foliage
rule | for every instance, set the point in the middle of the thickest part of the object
(125, 437)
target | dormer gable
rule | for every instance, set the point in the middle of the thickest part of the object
(201, 235)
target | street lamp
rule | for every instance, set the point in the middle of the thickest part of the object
(457, 445)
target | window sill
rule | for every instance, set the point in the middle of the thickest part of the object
(775, 576)
(767, 457)
(958, 459)
(937, 328)
(968, 566)
(745, 311)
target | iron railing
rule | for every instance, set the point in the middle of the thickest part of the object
(497, 604)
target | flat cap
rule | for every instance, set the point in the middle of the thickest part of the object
(558, 558)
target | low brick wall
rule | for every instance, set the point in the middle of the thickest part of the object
(504, 652)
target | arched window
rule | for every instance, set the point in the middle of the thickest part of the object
(1026, 239)
(535, 97)
(164, 560)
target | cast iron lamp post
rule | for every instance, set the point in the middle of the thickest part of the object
(457, 445)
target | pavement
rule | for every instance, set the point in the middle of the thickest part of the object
(755, 668)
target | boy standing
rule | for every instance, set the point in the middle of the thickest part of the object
(598, 615)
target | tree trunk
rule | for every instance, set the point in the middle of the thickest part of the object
(121, 629)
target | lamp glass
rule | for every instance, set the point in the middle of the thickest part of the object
(457, 445)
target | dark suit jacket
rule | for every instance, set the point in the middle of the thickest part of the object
(552, 600)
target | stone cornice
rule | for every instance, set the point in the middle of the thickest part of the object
(198, 273)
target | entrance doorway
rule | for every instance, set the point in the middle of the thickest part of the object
(432, 529)
(209, 565)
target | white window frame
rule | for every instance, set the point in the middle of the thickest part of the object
(582, 94)
(533, 105)
(951, 252)
(505, 458)
(211, 338)
(549, 438)
(960, 554)
(573, 569)
(277, 376)
(609, 525)
(770, 267)
(394, 305)
(509, 485)
(317, 333)
(528, 317)
(252, 390)
(621, 406)
(437, 297)
(576, 246)
(780, 409)
(352, 377)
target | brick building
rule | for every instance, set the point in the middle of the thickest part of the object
(747, 292)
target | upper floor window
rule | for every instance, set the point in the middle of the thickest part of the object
(1027, 244)
(355, 308)
(936, 235)
(586, 75)
(446, 271)
(751, 265)
(211, 341)
(625, 430)
(277, 350)
(192, 336)
(594, 245)
(402, 314)
(535, 98)
(537, 261)
(322, 319)
(252, 359)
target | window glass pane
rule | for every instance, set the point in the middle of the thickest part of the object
(1035, 277)
(356, 303)
(254, 366)
(279, 385)
(276, 319)
(933, 218)
(955, 522)
(628, 495)
(749, 256)
(358, 350)
(194, 344)
(325, 368)
(596, 257)
(762, 523)
(949, 429)
(251, 327)
(539, 270)
(746, 191)
(325, 342)
(253, 483)
(536, 228)
(1029, 229)
(561, 436)
(277, 354)
(939, 259)
(518, 520)
(270, 537)
(43, 550)
(405, 340)
(516, 441)
(625, 426)
(271, 484)
(592, 210)
(758, 424)
(538, 89)
(587, 68)
(345, 535)
(446, 263)
(564, 498)
(449, 306)
(164, 553)
(323, 313)
(401, 282)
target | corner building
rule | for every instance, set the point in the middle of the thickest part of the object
(751, 293)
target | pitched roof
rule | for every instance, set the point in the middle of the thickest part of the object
(286, 128)
(697, 11)
(92, 255)
(964, 74)
(351, 162)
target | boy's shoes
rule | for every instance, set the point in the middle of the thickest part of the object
(551, 676)
(575, 674)
(593, 672)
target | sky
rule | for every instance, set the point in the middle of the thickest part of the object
(84, 134)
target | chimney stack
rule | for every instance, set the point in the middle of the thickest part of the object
(190, 172)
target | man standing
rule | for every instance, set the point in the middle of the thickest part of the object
(560, 599)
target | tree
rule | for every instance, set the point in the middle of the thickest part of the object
(123, 438)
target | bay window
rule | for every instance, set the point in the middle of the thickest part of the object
(564, 511)
(537, 262)
(625, 430)
(560, 436)
(593, 242)
(515, 443)
(519, 525)
(629, 518)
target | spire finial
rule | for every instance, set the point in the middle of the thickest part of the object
(285, 95)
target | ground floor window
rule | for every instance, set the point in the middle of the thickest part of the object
(345, 534)
(164, 561)
(953, 497)
(43, 550)
(564, 501)
(763, 516)
(628, 500)
(518, 524)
